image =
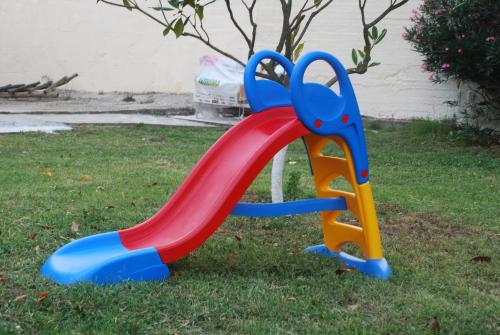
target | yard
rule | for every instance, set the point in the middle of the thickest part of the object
(437, 201)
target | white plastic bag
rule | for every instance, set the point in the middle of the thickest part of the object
(219, 82)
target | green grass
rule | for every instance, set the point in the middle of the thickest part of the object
(438, 205)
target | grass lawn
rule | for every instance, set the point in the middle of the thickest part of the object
(437, 201)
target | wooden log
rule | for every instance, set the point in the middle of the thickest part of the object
(24, 87)
(46, 89)
(9, 87)
(63, 81)
(43, 86)
(29, 94)
(4, 88)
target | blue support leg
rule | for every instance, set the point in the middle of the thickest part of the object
(377, 268)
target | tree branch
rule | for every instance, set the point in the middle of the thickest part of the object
(368, 47)
(235, 23)
(308, 22)
(188, 34)
(394, 5)
(250, 9)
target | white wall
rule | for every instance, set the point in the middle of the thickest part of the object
(115, 50)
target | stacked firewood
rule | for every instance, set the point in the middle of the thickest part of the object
(36, 89)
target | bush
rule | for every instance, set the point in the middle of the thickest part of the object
(460, 39)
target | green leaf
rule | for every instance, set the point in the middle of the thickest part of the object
(174, 3)
(163, 9)
(297, 51)
(381, 37)
(127, 4)
(354, 56)
(190, 3)
(373, 64)
(199, 11)
(361, 54)
(374, 32)
(166, 30)
(178, 28)
(317, 3)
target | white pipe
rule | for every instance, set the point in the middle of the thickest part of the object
(277, 175)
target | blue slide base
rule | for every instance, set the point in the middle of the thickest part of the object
(289, 207)
(102, 259)
(378, 268)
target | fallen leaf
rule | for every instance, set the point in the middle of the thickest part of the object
(353, 307)
(85, 178)
(340, 271)
(111, 206)
(21, 297)
(47, 173)
(37, 249)
(232, 260)
(433, 324)
(74, 226)
(132, 203)
(238, 238)
(482, 259)
(153, 138)
(292, 298)
(141, 197)
(275, 244)
(292, 162)
(99, 189)
(2, 278)
(42, 295)
(32, 236)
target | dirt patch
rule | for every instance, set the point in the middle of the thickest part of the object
(251, 196)
(408, 225)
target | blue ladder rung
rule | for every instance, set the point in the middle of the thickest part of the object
(289, 207)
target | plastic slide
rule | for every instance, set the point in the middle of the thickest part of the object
(212, 189)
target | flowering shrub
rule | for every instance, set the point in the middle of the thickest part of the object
(460, 39)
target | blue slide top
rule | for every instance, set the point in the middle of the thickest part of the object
(102, 259)
(263, 94)
(325, 113)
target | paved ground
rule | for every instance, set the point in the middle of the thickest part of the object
(112, 102)
(73, 108)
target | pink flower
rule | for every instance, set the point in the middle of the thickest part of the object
(446, 49)
(414, 15)
(430, 78)
(461, 36)
(420, 27)
(460, 50)
(405, 36)
(424, 67)
(490, 38)
(437, 12)
(445, 66)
